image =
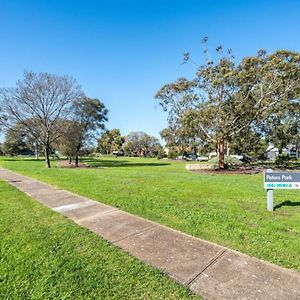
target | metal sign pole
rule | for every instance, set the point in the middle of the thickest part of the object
(270, 205)
(270, 201)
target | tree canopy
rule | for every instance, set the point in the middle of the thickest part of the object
(226, 99)
(138, 143)
(87, 118)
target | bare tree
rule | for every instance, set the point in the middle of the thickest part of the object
(39, 102)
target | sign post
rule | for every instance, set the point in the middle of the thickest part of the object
(270, 201)
(279, 180)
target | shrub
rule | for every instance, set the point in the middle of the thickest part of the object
(160, 154)
(173, 154)
(282, 160)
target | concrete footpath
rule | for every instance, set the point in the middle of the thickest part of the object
(210, 270)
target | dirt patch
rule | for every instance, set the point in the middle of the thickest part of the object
(66, 164)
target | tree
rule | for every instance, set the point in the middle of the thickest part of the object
(17, 141)
(183, 140)
(204, 101)
(39, 102)
(225, 99)
(69, 139)
(169, 137)
(13, 144)
(89, 116)
(110, 140)
(177, 98)
(141, 144)
(281, 128)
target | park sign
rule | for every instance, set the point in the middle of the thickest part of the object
(281, 180)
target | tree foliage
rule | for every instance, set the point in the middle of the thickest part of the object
(110, 140)
(16, 142)
(141, 144)
(225, 99)
(88, 117)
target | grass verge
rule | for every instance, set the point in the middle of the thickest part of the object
(45, 256)
(226, 209)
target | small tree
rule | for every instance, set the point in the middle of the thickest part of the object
(88, 117)
(38, 103)
(17, 141)
(70, 137)
(110, 140)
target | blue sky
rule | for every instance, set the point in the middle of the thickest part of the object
(122, 52)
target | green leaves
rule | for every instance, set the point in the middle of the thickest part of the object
(226, 100)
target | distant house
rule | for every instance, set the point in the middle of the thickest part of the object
(291, 150)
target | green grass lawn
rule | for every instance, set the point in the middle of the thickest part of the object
(227, 209)
(45, 256)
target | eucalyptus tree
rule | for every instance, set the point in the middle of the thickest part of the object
(226, 99)
(38, 103)
(207, 99)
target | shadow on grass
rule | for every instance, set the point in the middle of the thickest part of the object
(20, 159)
(286, 203)
(92, 163)
(120, 163)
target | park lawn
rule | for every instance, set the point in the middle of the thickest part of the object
(226, 209)
(43, 255)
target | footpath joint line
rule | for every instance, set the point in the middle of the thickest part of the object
(213, 261)
(133, 234)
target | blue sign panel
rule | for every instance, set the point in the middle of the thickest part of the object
(282, 180)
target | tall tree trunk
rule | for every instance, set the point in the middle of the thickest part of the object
(36, 150)
(70, 160)
(220, 133)
(47, 156)
(227, 149)
(77, 153)
(221, 156)
(194, 147)
(195, 150)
